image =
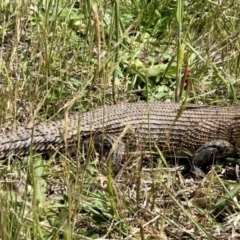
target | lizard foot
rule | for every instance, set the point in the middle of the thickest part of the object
(110, 145)
(210, 151)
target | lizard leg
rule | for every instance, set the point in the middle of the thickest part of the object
(210, 151)
(110, 145)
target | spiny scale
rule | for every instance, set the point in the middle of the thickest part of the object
(149, 122)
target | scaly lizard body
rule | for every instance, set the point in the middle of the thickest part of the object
(193, 129)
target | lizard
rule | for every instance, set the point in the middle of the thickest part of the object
(205, 131)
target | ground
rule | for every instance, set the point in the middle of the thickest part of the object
(71, 56)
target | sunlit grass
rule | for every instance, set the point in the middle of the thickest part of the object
(66, 56)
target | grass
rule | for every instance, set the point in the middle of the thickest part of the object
(65, 56)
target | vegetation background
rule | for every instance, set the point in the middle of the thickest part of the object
(61, 56)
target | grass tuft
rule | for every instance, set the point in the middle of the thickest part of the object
(65, 56)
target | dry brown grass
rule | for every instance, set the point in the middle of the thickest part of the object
(63, 56)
